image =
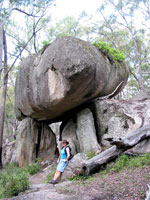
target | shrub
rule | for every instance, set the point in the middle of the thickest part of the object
(34, 168)
(13, 180)
(111, 53)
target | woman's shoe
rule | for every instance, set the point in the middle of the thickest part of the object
(52, 182)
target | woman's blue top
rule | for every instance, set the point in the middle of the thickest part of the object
(63, 154)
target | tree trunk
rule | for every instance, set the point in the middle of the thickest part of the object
(3, 99)
(1, 49)
(133, 138)
(95, 163)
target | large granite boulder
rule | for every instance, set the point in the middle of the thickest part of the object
(68, 73)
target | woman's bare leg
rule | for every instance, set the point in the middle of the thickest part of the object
(57, 175)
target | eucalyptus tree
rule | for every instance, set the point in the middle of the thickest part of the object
(80, 27)
(120, 27)
(31, 9)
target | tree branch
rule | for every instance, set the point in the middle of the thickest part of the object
(30, 15)
(21, 52)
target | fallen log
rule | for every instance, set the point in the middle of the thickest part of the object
(133, 138)
(94, 164)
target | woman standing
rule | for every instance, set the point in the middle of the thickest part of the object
(62, 161)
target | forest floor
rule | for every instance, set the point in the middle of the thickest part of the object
(124, 185)
(129, 184)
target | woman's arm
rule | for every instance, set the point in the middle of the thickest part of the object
(58, 159)
(68, 153)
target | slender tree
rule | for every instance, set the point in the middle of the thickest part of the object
(40, 5)
(3, 100)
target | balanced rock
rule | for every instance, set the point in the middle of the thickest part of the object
(67, 74)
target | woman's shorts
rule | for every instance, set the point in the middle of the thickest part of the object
(61, 166)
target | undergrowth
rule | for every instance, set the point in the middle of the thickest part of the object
(125, 161)
(90, 155)
(34, 168)
(14, 180)
(118, 165)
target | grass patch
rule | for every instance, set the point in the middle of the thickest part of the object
(90, 155)
(125, 161)
(82, 178)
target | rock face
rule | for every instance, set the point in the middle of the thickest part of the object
(69, 132)
(86, 131)
(68, 73)
(34, 141)
(9, 152)
(117, 118)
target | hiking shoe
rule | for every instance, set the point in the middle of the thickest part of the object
(52, 182)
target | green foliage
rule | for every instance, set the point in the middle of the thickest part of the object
(127, 161)
(90, 155)
(34, 168)
(13, 180)
(109, 51)
(45, 43)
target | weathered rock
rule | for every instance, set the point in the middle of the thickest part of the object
(47, 148)
(74, 167)
(26, 152)
(34, 140)
(9, 152)
(68, 73)
(142, 147)
(86, 132)
(55, 127)
(133, 138)
(50, 192)
(69, 133)
(141, 95)
(117, 118)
